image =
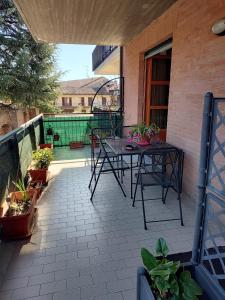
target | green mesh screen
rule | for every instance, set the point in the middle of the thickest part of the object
(15, 157)
(8, 167)
(77, 128)
(26, 146)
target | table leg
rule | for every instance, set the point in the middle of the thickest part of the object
(131, 174)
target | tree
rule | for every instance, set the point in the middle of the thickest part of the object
(28, 74)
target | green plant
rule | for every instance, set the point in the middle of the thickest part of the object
(21, 188)
(141, 130)
(42, 158)
(166, 282)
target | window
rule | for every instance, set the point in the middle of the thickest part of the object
(90, 101)
(82, 101)
(103, 101)
(66, 101)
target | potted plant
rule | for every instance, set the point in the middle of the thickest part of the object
(162, 279)
(76, 145)
(49, 131)
(48, 145)
(92, 137)
(56, 137)
(41, 161)
(143, 134)
(34, 186)
(17, 215)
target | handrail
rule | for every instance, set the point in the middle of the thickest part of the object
(18, 130)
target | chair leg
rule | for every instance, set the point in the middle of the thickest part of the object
(180, 207)
(114, 173)
(143, 204)
(121, 171)
(163, 196)
(135, 192)
(93, 173)
(96, 182)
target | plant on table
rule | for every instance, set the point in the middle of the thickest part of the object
(144, 132)
(167, 280)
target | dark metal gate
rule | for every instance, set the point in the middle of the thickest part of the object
(209, 242)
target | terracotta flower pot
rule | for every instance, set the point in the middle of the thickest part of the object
(34, 186)
(93, 140)
(49, 131)
(43, 146)
(39, 175)
(18, 226)
(76, 145)
(56, 137)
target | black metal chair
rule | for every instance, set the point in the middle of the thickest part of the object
(95, 149)
(160, 168)
(107, 165)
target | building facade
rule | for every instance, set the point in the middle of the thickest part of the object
(76, 96)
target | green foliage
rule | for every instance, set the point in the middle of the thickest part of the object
(21, 188)
(161, 247)
(143, 130)
(42, 158)
(27, 68)
(166, 282)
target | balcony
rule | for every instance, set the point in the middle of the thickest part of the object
(106, 60)
(81, 250)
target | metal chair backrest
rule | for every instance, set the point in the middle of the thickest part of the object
(167, 162)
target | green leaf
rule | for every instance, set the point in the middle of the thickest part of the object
(174, 287)
(162, 285)
(165, 269)
(189, 288)
(149, 260)
(161, 247)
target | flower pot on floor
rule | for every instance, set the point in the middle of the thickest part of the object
(39, 175)
(18, 226)
(34, 186)
(76, 145)
(43, 146)
(93, 140)
(144, 291)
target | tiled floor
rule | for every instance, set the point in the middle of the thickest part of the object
(89, 251)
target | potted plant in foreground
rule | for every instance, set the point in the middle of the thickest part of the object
(17, 215)
(143, 135)
(162, 279)
(39, 167)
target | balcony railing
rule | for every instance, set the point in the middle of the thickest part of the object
(16, 147)
(100, 53)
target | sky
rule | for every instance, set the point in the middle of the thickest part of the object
(75, 61)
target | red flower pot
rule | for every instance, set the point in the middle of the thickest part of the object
(39, 175)
(76, 145)
(56, 137)
(93, 139)
(34, 187)
(18, 226)
(43, 146)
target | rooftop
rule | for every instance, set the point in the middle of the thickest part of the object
(87, 86)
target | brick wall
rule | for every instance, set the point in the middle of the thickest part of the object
(198, 66)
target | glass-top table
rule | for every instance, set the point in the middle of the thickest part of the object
(118, 146)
